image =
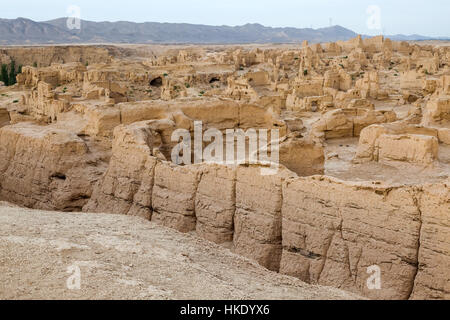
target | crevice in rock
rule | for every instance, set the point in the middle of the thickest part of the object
(234, 192)
(59, 176)
(416, 194)
(197, 185)
(325, 257)
(151, 196)
(304, 253)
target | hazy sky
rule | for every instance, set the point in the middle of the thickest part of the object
(430, 17)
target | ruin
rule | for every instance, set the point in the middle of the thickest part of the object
(364, 151)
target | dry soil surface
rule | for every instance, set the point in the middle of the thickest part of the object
(122, 257)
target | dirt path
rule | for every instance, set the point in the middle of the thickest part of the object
(122, 257)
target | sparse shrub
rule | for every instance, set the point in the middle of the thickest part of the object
(4, 75)
(9, 73)
(305, 72)
(12, 73)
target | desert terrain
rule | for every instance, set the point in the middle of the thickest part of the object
(363, 141)
(123, 257)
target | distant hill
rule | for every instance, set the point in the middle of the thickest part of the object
(23, 31)
(415, 37)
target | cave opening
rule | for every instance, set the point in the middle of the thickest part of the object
(157, 82)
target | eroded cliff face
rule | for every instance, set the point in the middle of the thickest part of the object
(215, 204)
(432, 279)
(333, 231)
(320, 229)
(44, 56)
(258, 215)
(46, 167)
(126, 187)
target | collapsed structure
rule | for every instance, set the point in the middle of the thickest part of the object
(364, 153)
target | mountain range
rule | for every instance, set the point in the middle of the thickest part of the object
(22, 31)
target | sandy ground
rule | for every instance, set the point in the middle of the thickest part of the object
(121, 257)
